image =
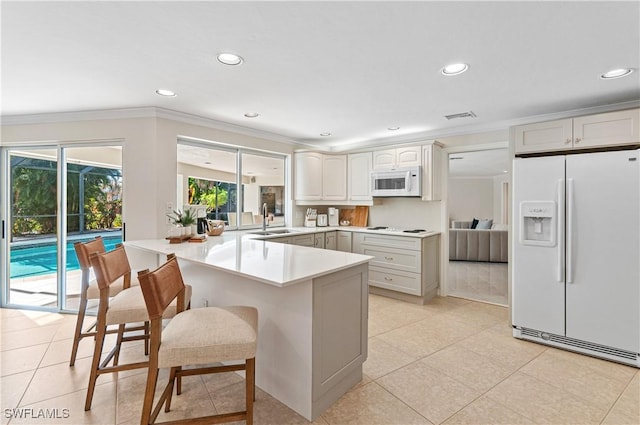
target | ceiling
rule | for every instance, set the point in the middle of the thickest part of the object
(479, 164)
(352, 69)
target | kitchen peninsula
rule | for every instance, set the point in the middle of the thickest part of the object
(312, 304)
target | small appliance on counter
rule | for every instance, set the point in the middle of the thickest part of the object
(322, 220)
(310, 217)
(334, 216)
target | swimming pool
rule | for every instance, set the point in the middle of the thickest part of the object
(41, 259)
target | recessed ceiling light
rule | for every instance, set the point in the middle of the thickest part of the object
(616, 73)
(325, 134)
(229, 59)
(165, 92)
(393, 128)
(454, 69)
(252, 114)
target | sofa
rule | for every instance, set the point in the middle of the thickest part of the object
(489, 245)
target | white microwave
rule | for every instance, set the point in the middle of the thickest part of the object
(396, 182)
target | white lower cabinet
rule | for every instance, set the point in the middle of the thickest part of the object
(330, 240)
(308, 239)
(343, 241)
(401, 264)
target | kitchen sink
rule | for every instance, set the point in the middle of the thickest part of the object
(271, 232)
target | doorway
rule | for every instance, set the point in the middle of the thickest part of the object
(478, 199)
(54, 196)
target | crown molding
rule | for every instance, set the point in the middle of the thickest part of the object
(144, 112)
(155, 112)
(503, 125)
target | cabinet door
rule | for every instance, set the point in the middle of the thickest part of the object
(431, 172)
(308, 176)
(384, 159)
(609, 129)
(410, 156)
(359, 176)
(318, 240)
(343, 242)
(544, 136)
(334, 178)
(330, 240)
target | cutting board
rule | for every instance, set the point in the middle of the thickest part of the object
(360, 216)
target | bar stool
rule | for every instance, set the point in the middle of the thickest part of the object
(197, 337)
(90, 291)
(128, 306)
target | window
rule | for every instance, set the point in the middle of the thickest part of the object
(233, 183)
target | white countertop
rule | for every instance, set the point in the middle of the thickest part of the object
(273, 263)
(302, 230)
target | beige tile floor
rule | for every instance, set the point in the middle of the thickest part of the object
(452, 361)
(479, 281)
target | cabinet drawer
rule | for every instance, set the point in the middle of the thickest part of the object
(374, 239)
(304, 240)
(409, 283)
(397, 259)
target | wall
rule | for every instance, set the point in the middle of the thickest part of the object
(471, 198)
(497, 197)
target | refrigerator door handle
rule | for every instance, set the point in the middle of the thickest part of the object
(560, 227)
(569, 240)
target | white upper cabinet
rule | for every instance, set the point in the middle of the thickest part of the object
(613, 128)
(308, 176)
(358, 176)
(334, 177)
(399, 157)
(431, 172)
(544, 136)
(591, 131)
(320, 177)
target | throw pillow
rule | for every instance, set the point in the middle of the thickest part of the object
(474, 223)
(485, 224)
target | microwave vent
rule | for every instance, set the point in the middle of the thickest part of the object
(468, 114)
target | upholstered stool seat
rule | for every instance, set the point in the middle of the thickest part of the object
(202, 335)
(93, 291)
(129, 307)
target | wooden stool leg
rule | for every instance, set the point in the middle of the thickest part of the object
(179, 384)
(95, 364)
(152, 379)
(116, 356)
(250, 378)
(146, 340)
(169, 390)
(79, 323)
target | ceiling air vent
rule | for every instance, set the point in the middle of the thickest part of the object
(469, 114)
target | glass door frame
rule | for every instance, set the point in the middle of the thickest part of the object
(61, 216)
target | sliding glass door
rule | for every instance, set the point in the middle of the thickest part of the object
(53, 197)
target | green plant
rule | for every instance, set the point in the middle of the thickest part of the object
(186, 218)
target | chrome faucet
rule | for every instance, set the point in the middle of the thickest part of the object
(264, 216)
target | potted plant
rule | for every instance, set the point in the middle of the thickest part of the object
(185, 219)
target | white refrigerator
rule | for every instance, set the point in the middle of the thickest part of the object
(576, 253)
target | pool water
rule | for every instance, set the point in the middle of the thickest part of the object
(41, 259)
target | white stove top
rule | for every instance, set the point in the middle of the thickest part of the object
(399, 230)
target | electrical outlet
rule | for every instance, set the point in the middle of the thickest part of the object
(169, 206)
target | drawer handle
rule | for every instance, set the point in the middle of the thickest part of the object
(388, 279)
(578, 139)
(568, 141)
(388, 258)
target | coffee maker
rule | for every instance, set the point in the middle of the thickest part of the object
(203, 226)
(200, 212)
